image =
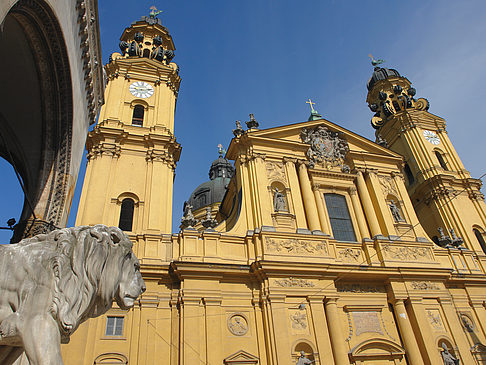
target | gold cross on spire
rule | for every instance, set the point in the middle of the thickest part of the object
(310, 103)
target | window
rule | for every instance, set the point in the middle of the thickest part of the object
(137, 118)
(114, 326)
(480, 239)
(342, 227)
(442, 162)
(126, 215)
(409, 174)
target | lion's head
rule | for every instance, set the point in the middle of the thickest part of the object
(92, 265)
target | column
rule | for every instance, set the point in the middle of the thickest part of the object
(358, 211)
(295, 192)
(309, 201)
(280, 329)
(429, 346)
(368, 205)
(406, 331)
(191, 337)
(214, 338)
(457, 331)
(323, 216)
(336, 333)
(321, 330)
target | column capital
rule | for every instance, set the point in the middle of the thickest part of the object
(352, 190)
(316, 186)
(289, 160)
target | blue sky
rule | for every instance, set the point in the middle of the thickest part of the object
(268, 57)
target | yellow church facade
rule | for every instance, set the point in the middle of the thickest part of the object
(324, 246)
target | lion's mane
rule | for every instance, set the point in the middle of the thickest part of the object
(86, 265)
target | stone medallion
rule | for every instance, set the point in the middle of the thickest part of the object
(237, 324)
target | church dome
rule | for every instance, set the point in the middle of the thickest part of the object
(212, 191)
(381, 74)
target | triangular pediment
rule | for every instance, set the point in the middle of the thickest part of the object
(288, 137)
(241, 357)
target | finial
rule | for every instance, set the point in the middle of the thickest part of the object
(311, 104)
(375, 62)
(314, 115)
(154, 12)
(252, 123)
(221, 149)
(239, 130)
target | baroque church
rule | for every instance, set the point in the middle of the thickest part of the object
(308, 244)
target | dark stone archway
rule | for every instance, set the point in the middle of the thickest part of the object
(36, 112)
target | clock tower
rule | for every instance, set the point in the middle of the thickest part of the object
(132, 151)
(447, 199)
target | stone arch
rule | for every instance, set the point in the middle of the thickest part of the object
(442, 339)
(376, 349)
(37, 56)
(479, 235)
(112, 358)
(124, 202)
(441, 158)
(306, 346)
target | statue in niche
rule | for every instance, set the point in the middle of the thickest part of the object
(278, 201)
(395, 211)
(303, 360)
(447, 357)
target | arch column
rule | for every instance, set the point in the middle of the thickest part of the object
(321, 210)
(309, 201)
(367, 205)
(406, 331)
(358, 211)
(336, 333)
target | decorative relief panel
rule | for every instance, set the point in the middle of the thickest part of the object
(388, 185)
(366, 322)
(433, 315)
(349, 254)
(298, 321)
(424, 285)
(407, 253)
(237, 324)
(467, 322)
(294, 282)
(360, 288)
(295, 246)
(275, 171)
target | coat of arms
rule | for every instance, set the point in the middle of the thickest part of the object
(326, 147)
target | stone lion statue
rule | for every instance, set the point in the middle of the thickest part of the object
(51, 283)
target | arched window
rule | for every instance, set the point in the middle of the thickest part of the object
(442, 162)
(146, 53)
(480, 239)
(409, 174)
(137, 118)
(126, 214)
(342, 227)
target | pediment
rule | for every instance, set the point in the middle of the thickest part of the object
(288, 137)
(241, 357)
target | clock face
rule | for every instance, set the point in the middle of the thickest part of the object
(432, 137)
(141, 89)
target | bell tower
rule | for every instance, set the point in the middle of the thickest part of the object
(447, 199)
(132, 151)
